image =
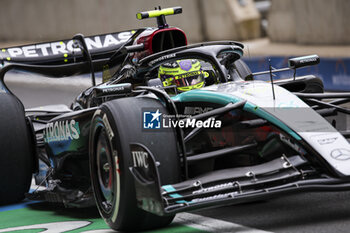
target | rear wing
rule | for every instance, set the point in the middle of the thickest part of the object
(63, 52)
(66, 55)
(63, 58)
(78, 55)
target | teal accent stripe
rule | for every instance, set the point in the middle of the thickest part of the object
(205, 96)
(176, 195)
(222, 98)
(168, 188)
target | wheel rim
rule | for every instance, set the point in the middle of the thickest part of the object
(105, 176)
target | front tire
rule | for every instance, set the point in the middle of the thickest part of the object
(16, 162)
(115, 125)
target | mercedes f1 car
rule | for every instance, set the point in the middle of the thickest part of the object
(172, 128)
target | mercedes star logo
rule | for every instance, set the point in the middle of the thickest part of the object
(340, 154)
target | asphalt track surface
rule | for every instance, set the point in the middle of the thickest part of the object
(302, 212)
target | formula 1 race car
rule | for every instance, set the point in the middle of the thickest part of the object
(171, 128)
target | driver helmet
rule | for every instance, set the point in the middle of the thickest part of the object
(185, 74)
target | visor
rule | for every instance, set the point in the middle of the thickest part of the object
(167, 80)
(189, 79)
(165, 77)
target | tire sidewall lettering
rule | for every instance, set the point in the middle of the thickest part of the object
(100, 117)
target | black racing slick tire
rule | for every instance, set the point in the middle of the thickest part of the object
(115, 126)
(16, 162)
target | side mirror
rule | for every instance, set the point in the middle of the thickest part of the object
(299, 62)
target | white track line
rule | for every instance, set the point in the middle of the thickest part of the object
(51, 227)
(212, 225)
(198, 222)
